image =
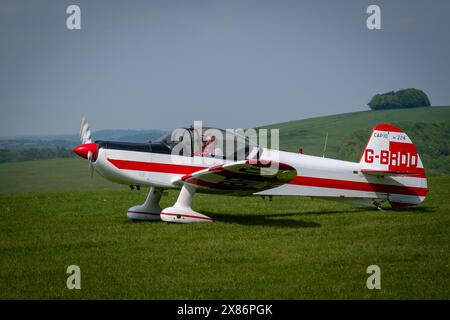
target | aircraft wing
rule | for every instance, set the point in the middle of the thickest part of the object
(242, 177)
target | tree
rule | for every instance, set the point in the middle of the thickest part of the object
(405, 98)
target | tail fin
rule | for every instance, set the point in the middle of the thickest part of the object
(390, 152)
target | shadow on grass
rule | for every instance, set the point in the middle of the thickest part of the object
(418, 209)
(273, 220)
(263, 220)
(336, 211)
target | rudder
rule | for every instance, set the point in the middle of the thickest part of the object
(390, 152)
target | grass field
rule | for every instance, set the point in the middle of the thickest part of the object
(50, 175)
(53, 215)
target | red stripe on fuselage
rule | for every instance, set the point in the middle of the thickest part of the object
(299, 180)
(358, 186)
(154, 166)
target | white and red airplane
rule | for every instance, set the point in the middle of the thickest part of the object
(390, 170)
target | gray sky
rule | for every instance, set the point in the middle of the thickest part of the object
(164, 64)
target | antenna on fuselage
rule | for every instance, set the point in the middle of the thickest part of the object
(325, 145)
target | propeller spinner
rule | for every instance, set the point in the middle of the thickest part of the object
(87, 149)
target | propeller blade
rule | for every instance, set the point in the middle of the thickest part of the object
(91, 165)
(85, 137)
(85, 132)
(91, 169)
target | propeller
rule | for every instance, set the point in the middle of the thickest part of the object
(91, 166)
(87, 149)
(85, 132)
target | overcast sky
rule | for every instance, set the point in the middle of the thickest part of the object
(164, 64)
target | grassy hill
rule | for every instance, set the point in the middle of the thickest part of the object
(348, 133)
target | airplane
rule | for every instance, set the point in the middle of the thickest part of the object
(389, 169)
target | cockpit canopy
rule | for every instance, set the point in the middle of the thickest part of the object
(211, 142)
(207, 142)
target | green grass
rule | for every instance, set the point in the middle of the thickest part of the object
(50, 175)
(310, 133)
(291, 248)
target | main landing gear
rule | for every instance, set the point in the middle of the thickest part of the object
(377, 205)
(150, 209)
(180, 212)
